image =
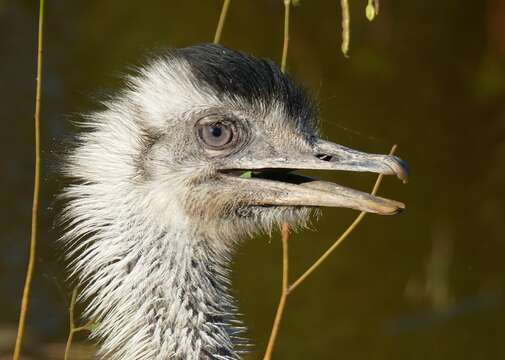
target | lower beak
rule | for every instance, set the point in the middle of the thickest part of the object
(273, 185)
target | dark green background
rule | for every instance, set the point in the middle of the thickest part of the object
(428, 75)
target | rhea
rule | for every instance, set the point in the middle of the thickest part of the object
(198, 151)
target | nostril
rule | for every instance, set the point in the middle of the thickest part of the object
(324, 157)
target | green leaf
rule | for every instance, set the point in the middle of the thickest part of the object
(246, 175)
(370, 11)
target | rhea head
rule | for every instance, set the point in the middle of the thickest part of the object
(211, 137)
(203, 143)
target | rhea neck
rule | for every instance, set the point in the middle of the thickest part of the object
(168, 297)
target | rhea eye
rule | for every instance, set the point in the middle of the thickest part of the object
(216, 135)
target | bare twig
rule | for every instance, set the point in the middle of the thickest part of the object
(285, 227)
(72, 328)
(342, 237)
(285, 45)
(36, 192)
(71, 324)
(222, 18)
(346, 21)
(376, 5)
(284, 293)
(288, 289)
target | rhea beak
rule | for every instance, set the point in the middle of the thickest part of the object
(273, 184)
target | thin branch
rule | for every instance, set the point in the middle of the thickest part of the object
(284, 293)
(71, 325)
(285, 46)
(222, 18)
(376, 5)
(346, 21)
(285, 227)
(72, 328)
(36, 192)
(342, 237)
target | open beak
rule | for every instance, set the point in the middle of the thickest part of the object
(273, 184)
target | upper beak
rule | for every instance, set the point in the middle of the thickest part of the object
(284, 189)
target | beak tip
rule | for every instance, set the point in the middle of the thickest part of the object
(400, 209)
(397, 209)
(401, 169)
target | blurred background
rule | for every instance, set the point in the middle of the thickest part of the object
(427, 75)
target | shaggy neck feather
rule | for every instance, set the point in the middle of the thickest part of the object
(159, 295)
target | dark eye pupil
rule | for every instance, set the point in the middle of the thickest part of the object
(216, 131)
